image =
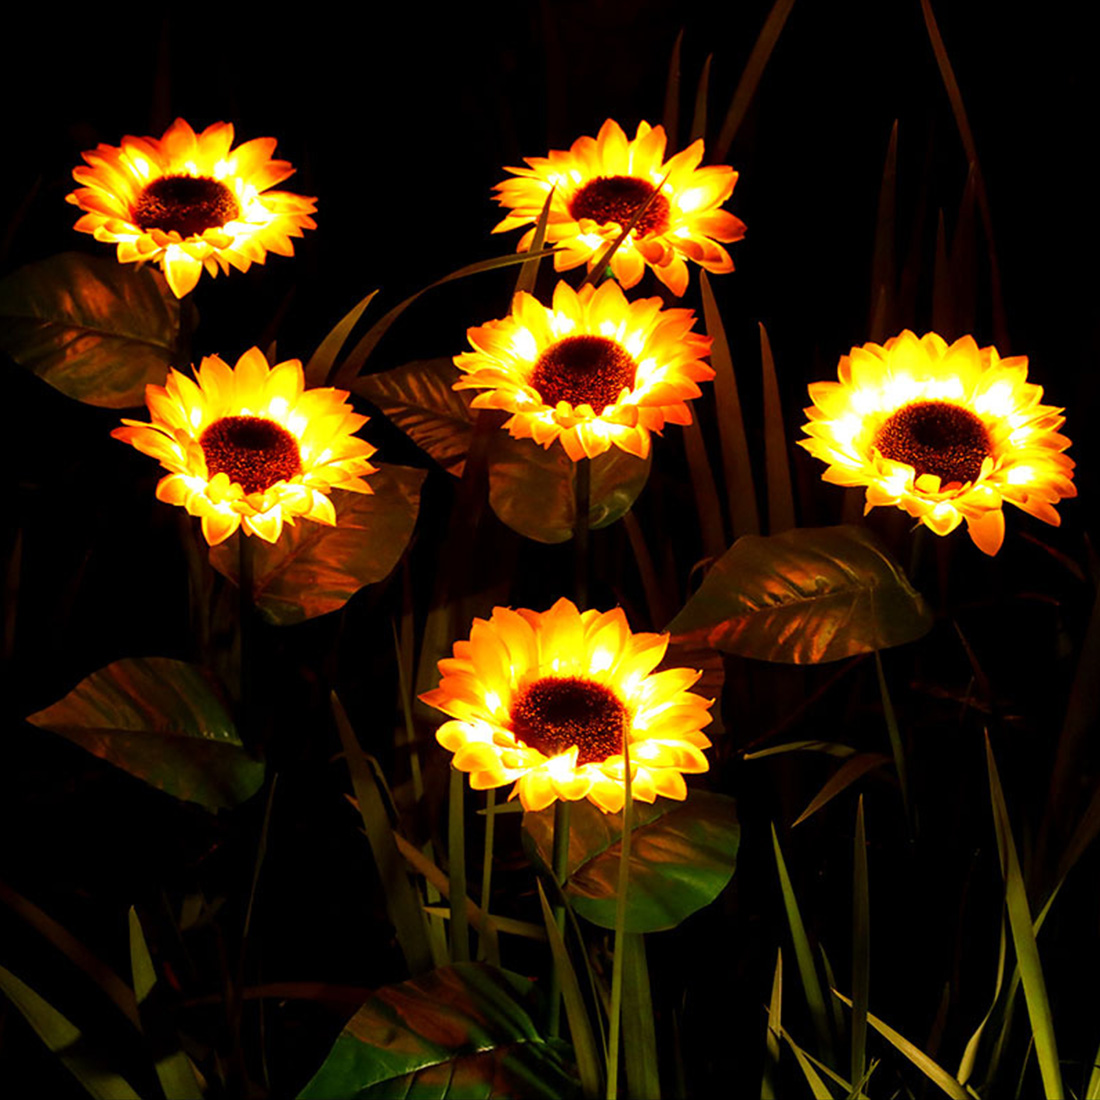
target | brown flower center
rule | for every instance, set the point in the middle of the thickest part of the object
(187, 204)
(583, 370)
(552, 715)
(615, 198)
(250, 450)
(936, 437)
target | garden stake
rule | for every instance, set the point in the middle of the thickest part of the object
(487, 864)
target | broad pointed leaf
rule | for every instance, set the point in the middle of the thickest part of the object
(160, 720)
(93, 328)
(418, 398)
(682, 855)
(803, 597)
(314, 569)
(460, 1031)
(531, 488)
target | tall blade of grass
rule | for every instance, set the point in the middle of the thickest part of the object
(456, 866)
(639, 1033)
(750, 78)
(529, 273)
(943, 295)
(402, 904)
(861, 947)
(830, 748)
(736, 464)
(351, 367)
(173, 1068)
(1023, 1071)
(839, 1028)
(966, 1065)
(1023, 938)
(818, 1089)
(775, 1027)
(699, 116)
(776, 461)
(64, 1040)
(1093, 1090)
(706, 495)
(671, 115)
(896, 746)
(654, 597)
(623, 883)
(485, 943)
(803, 954)
(580, 1028)
(958, 108)
(884, 260)
(848, 772)
(323, 359)
(934, 1072)
(599, 265)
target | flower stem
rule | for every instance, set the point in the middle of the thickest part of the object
(487, 863)
(245, 621)
(561, 871)
(582, 490)
(620, 929)
(456, 841)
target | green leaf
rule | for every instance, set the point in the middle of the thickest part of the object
(639, 1032)
(529, 272)
(818, 1089)
(531, 488)
(323, 359)
(970, 1054)
(803, 597)
(775, 1028)
(460, 1031)
(93, 328)
(417, 397)
(314, 569)
(682, 856)
(1023, 938)
(161, 721)
(64, 1040)
(174, 1071)
(848, 772)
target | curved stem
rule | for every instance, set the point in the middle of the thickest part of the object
(561, 871)
(620, 929)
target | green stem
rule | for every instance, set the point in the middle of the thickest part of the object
(246, 623)
(561, 871)
(582, 490)
(620, 929)
(487, 863)
(456, 840)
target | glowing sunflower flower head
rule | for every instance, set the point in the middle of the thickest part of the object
(544, 700)
(600, 183)
(945, 432)
(189, 202)
(249, 447)
(593, 370)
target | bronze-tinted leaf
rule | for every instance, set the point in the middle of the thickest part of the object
(418, 398)
(682, 854)
(532, 489)
(460, 1031)
(93, 328)
(802, 597)
(314, 569)
(161, 721)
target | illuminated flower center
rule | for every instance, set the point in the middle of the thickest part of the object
(552, 715)
(936, 437)
(251, 450)
(615, 198)
(188, 204)
(583, 370)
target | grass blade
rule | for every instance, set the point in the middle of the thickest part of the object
(600, 264)
(861, 948)
(750, 77)
(803, 954)
(775, 1028)
(1093, 1090)
(323, 359)
(456, 865)
(639, 1033)
(934, 1072)
(174, 1071)
(966, 1065)
(671, 114)
(580, 1028)
(736, 463)
(706, 495)
(529, 273)
(64, 1040)
(1023, 938)
(884, 260)
(699, 116)
(776, 460)
(831, 748)
(848, 772)
(402, 903)
(818, 1089)
(894, 732)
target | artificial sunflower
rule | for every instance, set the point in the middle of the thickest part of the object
(249, 447)
(593, 369)
(946, 432)
(598, 185)
(188, 202)
(545, 699)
